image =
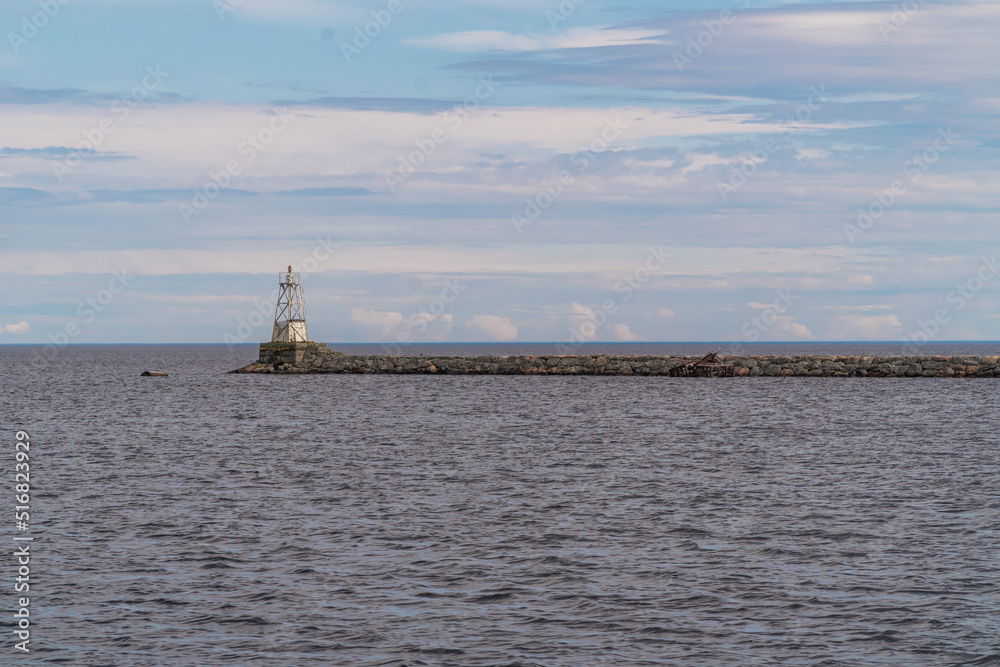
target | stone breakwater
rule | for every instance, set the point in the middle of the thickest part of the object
(301, 358)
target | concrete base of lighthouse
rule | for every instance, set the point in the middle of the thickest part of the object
(291, 353)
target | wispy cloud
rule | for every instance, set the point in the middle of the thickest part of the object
(326, 192)
(40, 96)
(60, 153)
(576, 38)
(391, 104)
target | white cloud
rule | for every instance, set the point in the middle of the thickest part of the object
(867, 307)
(838, 28)
(493, 327)
(618, 332)
(665, 312)
(792, 330)
(20, 328)
(939, 42)
(498, 40)
(622, 333)
(389, 325)
(865, 327)
(380, 323)
(428, 327)
(701, 160)
(784, 328)
(651, 164)
(811, 154)
(585, 319)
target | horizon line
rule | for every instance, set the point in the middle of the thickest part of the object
(598, 342)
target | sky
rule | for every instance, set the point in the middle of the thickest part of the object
(499, 170)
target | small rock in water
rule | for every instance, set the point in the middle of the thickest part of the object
(154, 374)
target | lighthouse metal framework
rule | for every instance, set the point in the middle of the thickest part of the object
(290, 314)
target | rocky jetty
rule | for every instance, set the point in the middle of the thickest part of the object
(301, 358)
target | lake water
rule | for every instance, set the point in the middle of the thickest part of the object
(209, 519)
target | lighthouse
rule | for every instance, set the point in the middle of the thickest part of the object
(290, 313)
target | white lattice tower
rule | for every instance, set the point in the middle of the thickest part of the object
(290, 314)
